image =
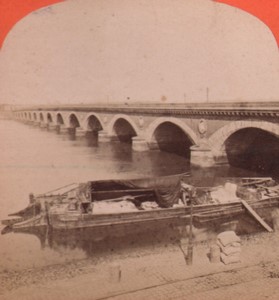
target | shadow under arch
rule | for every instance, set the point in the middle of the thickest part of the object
(41, 117)
(93, 123)
(123, 128)
(73, 125)
(59, 119)
(74, 121)
(171, 135)
(217, 139)
(254, 149)
(49, 118)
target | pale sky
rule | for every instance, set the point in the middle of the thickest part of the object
(86, 51)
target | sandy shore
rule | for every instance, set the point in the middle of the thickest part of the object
(140, 267)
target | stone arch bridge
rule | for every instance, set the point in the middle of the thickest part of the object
(203, 128)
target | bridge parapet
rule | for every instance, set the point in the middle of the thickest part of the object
(247, 109)
(220, 121)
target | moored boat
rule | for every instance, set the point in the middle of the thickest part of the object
(118, 206)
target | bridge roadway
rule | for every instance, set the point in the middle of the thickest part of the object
(206, 126)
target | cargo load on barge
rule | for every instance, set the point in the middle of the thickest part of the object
(131, 205)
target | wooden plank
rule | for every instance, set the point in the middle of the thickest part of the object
(256, 216)
(127, 198)
(256, 178)
(256, 181)
(271, 188)
(122, 191)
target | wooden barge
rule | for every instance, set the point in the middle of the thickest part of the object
(117, 206)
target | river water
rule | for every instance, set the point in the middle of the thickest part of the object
(36, 160)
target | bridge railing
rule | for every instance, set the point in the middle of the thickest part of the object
(246, 106)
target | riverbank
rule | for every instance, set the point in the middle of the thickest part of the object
(152, 272)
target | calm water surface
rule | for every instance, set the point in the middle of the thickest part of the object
(35, 160)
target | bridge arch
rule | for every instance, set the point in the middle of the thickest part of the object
(34, 116)
(252, 145)
(179, 123)
(74, 121)
(123, 127)
(171, 135)
(92, 122)
(59, 119)
(49, 118)
(42, 119)
(217, 140)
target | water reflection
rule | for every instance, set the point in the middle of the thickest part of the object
(93, 242)
(149, 163)
(36, 160)
(91, 139)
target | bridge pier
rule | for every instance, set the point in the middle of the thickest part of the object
(43, 125)
(36, 123)
(62, 129)
(205, 156)
(221, 157)
(139, 144)
(202, 156)
(80, 132)
(51, 126)
(28, 122)
(104, 137)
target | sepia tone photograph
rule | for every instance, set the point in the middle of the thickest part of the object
(139, 149)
